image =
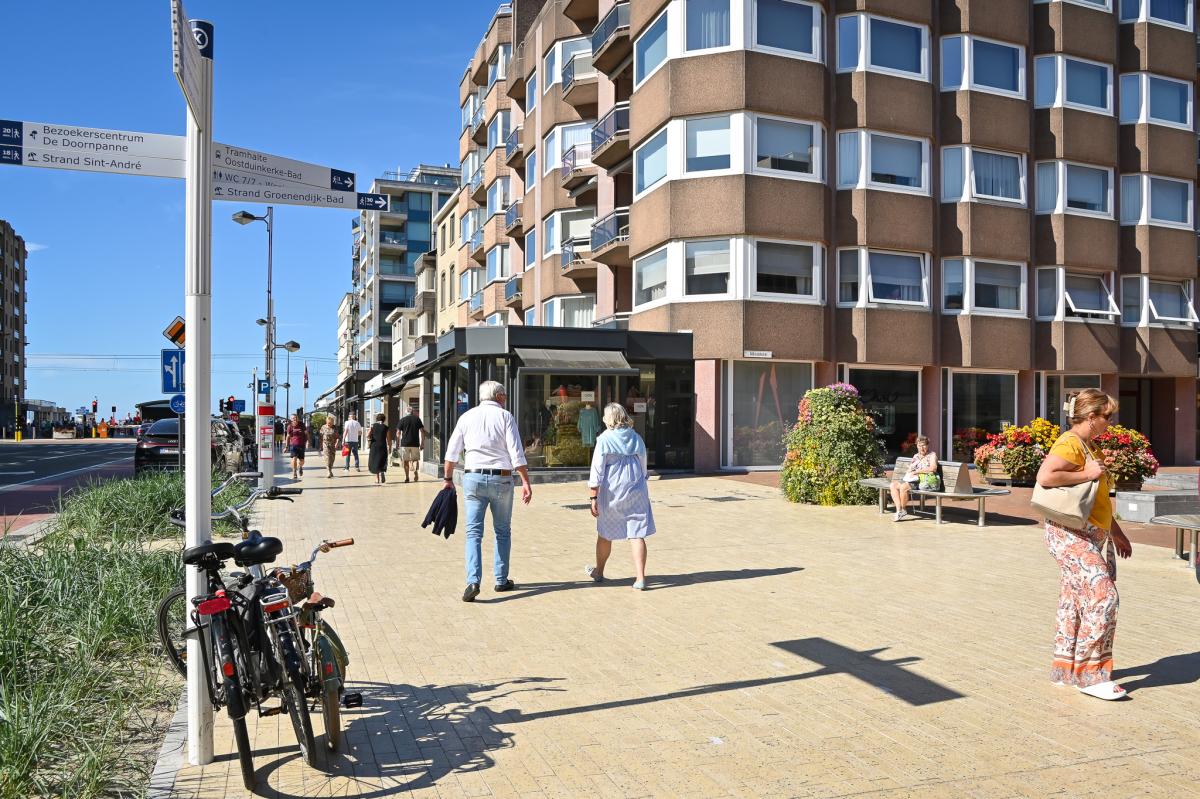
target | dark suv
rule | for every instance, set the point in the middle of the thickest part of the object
(159, 447)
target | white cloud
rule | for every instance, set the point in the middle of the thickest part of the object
(34, 247)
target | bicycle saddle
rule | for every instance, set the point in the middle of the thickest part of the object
(257, 550)
(223, 550)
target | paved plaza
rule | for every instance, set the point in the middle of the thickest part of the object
(781, 651)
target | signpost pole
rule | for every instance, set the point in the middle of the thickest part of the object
(268, 474)
(196, 79)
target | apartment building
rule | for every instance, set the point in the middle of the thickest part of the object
(13, 256)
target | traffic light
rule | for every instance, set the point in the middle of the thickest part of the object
(94, 406)
(229, 403)
(221, 405)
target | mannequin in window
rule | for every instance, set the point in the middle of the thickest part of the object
(588, 424)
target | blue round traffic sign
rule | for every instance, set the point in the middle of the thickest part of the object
(177, 403)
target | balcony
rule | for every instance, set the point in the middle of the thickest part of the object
(610, 238)
(513, 223)
(581, 12)
(579, 80)
(610, 137)
(514, 153)
(392, 240)
(475, 307)
(576, 166)
(512, 293)
(476, 248)
(477, 184)
(576, 262)
(516, 74)
(396, 210)
(425, 295)
(478, 129)
(610, 39)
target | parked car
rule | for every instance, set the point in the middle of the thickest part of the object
(159, 447)
(142, 428)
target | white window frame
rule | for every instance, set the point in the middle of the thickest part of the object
(505, 200)
(967, 191)
(531, 91)
(1060, 85)
(818, 278)
(969, 309)
(552, 77)
(864, 137)
(666, 13)
(1144, 16)
(736, 144)
(1060, 180)
(863, 61)
(530, 316)
(736, 30)
(550, 243)
(505, 266)
(865, 297)
(501, 318)
(967, 58)
(665, 133)
(1148, 315)
(818, 34)
(531, 251)
(1143, 111)
(1063, 303)
(818, 155)
(1145, 207)
(730, 279)
(1103, 5)
(556, 309)
(948, 419)
(664, 250)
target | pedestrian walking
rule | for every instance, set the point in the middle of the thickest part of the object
(297, 441)
(922, 473)
(1087, 605)
(619, 493)
(279, 433)
(411, 432)
(351, 437)
(379, 437)
(329, 443)
(487, 439)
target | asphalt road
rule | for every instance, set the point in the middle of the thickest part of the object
(34, 474)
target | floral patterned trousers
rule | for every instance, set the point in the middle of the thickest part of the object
(1087, 606)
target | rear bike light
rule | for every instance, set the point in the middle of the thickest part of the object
(275, 602)
(328, 669)
(227, 669)
(211, 607)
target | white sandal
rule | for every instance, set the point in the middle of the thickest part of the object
(1107, 691)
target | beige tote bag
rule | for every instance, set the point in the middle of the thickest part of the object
(1069, 506)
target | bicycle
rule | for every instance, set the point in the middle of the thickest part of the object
(323, 649)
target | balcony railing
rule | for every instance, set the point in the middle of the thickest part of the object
(394, 239)
(610, 229)
(578, 66)
(513, 143)
(512, 289)
(477, 179)
(613, 21)
(612, 124)
(573, 250)
(512, 215)
(477, 240)
(476, 301)
(477, 119)
(577, 157)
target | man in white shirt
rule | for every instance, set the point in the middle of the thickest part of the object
(488, 436)
(351, 436)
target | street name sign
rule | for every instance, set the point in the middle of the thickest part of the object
(188, 45)
(285, 170)
(177, 403)
(172, 371)
(268, 191)
(126, 152)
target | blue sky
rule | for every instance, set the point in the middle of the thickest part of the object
(363, 86)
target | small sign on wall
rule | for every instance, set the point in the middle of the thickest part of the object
(587, 396)
(639, 407)
(757, 354)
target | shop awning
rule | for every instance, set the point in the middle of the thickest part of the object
(593, 361)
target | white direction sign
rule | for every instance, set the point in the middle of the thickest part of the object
(127, 152)
(279, 169)
(186, 47)
(236, 187)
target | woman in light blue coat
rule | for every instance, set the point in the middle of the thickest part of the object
(619, 493)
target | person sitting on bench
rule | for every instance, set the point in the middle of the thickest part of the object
(922, 473)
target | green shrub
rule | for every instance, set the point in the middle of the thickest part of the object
(830, 448)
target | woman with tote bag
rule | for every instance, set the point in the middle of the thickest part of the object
(1072, 491)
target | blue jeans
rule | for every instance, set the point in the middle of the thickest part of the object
(482, 491)
(353, 445)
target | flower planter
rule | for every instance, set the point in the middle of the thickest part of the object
(996, 475)
(1128, 485)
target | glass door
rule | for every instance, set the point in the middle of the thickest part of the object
(673, 416)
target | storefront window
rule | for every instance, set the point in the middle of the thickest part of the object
(559, 418)
(981, 403)
(763, 406)
(891, 397)
(433, 418)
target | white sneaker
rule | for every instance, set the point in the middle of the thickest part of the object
(897, 516)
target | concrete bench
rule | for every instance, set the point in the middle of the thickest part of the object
(956, 487)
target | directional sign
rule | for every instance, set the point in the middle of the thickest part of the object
(287, 170)
(172, 371)
(275, 192)
(177, 403)
(127, 152)
(239, 406)
(186, 47)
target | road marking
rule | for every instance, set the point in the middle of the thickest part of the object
(11, 474)
(63, 474)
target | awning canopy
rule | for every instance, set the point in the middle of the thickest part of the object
(596, 361)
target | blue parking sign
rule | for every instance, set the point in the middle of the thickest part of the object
(264, 387)
(172, 371)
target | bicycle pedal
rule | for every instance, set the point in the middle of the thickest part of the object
(353, 699)
(271, 711)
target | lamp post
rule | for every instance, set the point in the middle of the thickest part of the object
(245, 218)
(290, 347)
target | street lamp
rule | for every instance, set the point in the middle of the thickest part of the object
(245, 218)
(289, 347)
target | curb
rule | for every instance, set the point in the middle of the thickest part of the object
(29, 534)
(170, 754)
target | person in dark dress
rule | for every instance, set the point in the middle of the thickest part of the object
(379, 438)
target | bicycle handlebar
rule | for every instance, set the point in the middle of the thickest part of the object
(345, 542)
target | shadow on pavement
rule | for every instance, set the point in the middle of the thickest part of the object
(1171, 670)
(654, 582)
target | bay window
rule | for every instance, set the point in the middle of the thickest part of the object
(650, 49)
(530, 248)
(558, 55)
(497, 319)
(497, 263)
(1155, 100)
(530, 316)
(550, 240)
(650, 277)
(1145, 301)
(706, 267)
(971, 62)
(788, 27)
(1075, 295)
(1065, 81)
(708, 145)
(1068, 188)
(497, 196)
(531, 171)
(560, 140)
(890, 278)
(1176, 13)
(650, 162)
(706, 24)
(882, 161)
(531, 91)
(970, 174)
(974, 285)
(498, 130)
(791, 148)
(786, 269)
(570, 311)
(1153, 200)
(498, 64)
(879, 44)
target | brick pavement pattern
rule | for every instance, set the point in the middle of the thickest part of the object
(780, 651)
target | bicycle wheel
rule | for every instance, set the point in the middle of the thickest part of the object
(331, 713)
(234, 702)
(172, 620)
(293, 697)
